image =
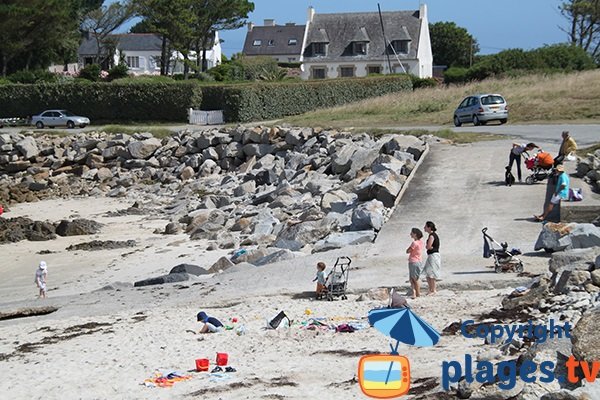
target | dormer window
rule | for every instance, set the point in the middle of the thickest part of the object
(401, 46)
(292, 42)
(359, 48)
(257, 42)
(319, 49)
(271, 43)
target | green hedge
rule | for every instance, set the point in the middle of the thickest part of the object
(104, 102)
(264, 101)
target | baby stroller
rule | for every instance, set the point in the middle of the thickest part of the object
(504, 260)
(540, 166)
(337, 280)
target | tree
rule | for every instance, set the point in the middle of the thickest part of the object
(189, 25)
(584, 24)
(452, 45)
(219, 15)
(103, 21)
(33, 33)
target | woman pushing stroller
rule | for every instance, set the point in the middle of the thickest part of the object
(515, 155)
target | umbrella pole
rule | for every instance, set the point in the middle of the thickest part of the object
(394, 353)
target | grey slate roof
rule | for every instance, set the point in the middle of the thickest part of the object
(342, 29)
(128, 42)
(280, 35)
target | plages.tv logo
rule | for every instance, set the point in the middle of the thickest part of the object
(508, 372)
(384, 376)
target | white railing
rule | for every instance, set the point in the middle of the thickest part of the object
(199, 117)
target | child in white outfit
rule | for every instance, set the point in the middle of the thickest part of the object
(40, 278)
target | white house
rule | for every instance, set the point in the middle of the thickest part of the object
(353, 45)
(142, 53)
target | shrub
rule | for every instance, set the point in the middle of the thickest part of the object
(22, 77)
(419, 83)
(264, 101)
(118, 72)
(90, 72)
(456, 75)
(104, 102)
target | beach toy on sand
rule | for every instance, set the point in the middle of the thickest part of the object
(222, 359)
(308, 311)
(202, 364)
(234, 320)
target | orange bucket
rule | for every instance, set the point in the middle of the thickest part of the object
(202, 364)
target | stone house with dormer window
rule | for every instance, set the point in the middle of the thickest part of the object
(352, 44)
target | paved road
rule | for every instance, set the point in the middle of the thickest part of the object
(461, 189)
(585, 135)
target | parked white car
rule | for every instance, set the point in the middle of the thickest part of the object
(52, 118)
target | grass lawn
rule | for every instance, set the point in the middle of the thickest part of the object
(534, 98)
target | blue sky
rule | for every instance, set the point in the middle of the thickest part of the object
(497, 25)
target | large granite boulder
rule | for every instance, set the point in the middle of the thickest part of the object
(77, 227)
(383, 186)
(188, 269)
(28, 147)
(341, 240)
(159, 280)
(369, 215)
(280, 255)
(143, 149)
(586, 337)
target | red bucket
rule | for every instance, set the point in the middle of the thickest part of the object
(202, 364)
(222, 359)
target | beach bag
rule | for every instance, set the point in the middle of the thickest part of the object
(575, 194)
(344, 328)
(275, 322)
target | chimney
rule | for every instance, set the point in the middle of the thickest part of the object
(423, 11)
(311, 14)
(250, 26)
(269, 22)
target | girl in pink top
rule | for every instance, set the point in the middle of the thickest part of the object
(415, 261)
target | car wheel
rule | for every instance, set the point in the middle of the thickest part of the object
(476, 120)
(70, 124)
(457, 122)
(503, 121)
(39, 125)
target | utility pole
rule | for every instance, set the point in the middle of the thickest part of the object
(471, 54)
(385, 42)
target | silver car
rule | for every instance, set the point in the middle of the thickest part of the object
(54, 118)
(481, 108)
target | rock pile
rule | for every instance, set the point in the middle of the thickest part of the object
(20, 228)
(287, 188)
(563, 236)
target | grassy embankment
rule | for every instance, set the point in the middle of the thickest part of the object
(553, 98)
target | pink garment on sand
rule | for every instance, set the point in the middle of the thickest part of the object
(416, 250)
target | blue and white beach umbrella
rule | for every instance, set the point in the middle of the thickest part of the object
(405, 326)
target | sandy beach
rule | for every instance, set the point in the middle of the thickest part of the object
(105, 344)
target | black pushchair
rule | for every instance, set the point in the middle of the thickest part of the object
(337, 280)
(504, 260)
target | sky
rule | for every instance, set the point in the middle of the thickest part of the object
(497, 25)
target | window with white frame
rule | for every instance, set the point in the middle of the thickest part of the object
(133, 61)
(319, 49)
(401, 46)
(271, 43)
(257, 42)
(359, 48)
(292, 42)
